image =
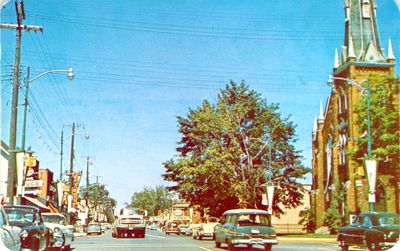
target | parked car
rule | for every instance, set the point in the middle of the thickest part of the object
(189, 230)
(246, 226)
(106, 225)
(63, 234)
(171, 227)
(205, 229)
(376, 230)
(34, 235)
(9, 235)
(182, 229)
(153, 226)
(93, 228)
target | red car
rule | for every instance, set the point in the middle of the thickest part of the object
(172, 227)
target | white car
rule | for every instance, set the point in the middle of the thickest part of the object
(63, 234)
(9, 235)
(206, 229)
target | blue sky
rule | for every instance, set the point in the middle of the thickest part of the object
(139, 64)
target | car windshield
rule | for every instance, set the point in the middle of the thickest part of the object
(389, 220)
(254, 220)
(20, 215)
(58, 219)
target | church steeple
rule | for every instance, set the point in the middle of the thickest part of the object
(361, 31)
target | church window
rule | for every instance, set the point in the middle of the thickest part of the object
(366, 9)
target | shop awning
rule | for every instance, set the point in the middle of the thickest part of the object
(37, 203)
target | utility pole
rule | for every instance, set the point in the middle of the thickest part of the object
(25, 109)
(88, 163)
(19, 7)
(61, 154)
(71, 162)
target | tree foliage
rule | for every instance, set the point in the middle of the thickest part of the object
(152, 199)
(385, 130)
(98, 194)
(225, 151)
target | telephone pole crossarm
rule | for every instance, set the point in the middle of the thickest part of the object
(22, 27)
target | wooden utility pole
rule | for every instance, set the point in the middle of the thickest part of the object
(12, 169)
(71, 162)
(61, 155)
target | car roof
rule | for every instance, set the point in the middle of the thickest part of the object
(245, 211)
(379, 214)
(21, 206)
(58, 214)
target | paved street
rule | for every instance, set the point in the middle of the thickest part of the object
(158, 241)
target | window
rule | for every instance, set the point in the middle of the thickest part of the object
(366, 9)
(367, 222)
(2, 218)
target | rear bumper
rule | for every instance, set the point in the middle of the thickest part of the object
(387, 244)
(130, 229)
(255, 241)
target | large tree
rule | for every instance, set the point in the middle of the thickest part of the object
(230, 149)
(385, 117)
(152, 199)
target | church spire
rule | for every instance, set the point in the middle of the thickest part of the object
(390, 51)
(361, 31)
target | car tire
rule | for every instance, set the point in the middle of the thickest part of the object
(372, 245)
(217, 244)
(267, 247)
(343, 245)
(200, 237)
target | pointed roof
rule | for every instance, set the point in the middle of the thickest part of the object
(336, 63)
(321, 116)
(390, 50)
(361, 31)
(315, 126)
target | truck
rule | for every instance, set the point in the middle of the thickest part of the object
(130, 223)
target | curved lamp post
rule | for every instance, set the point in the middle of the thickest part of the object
(70, 76)
(369, 162)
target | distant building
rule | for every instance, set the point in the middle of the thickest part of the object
(335, 132)
(3, 170)
(288, 222)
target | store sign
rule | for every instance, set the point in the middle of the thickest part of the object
(178, 212)
(30, 161)
(33, 183)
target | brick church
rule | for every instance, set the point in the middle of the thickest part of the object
(335, 131)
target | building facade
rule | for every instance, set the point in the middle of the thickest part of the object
(335, 131)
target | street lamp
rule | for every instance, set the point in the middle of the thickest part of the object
(370, 163)
(70, 76)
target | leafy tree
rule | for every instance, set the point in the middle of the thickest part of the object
(98, 195)
(385, 130)
(225, 151)
(332, 217)
(152, 199)
(307, 219)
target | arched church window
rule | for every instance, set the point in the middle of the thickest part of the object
(328, 151)
(342, 100)
(366, 9)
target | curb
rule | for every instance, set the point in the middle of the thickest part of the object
(324, 240)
